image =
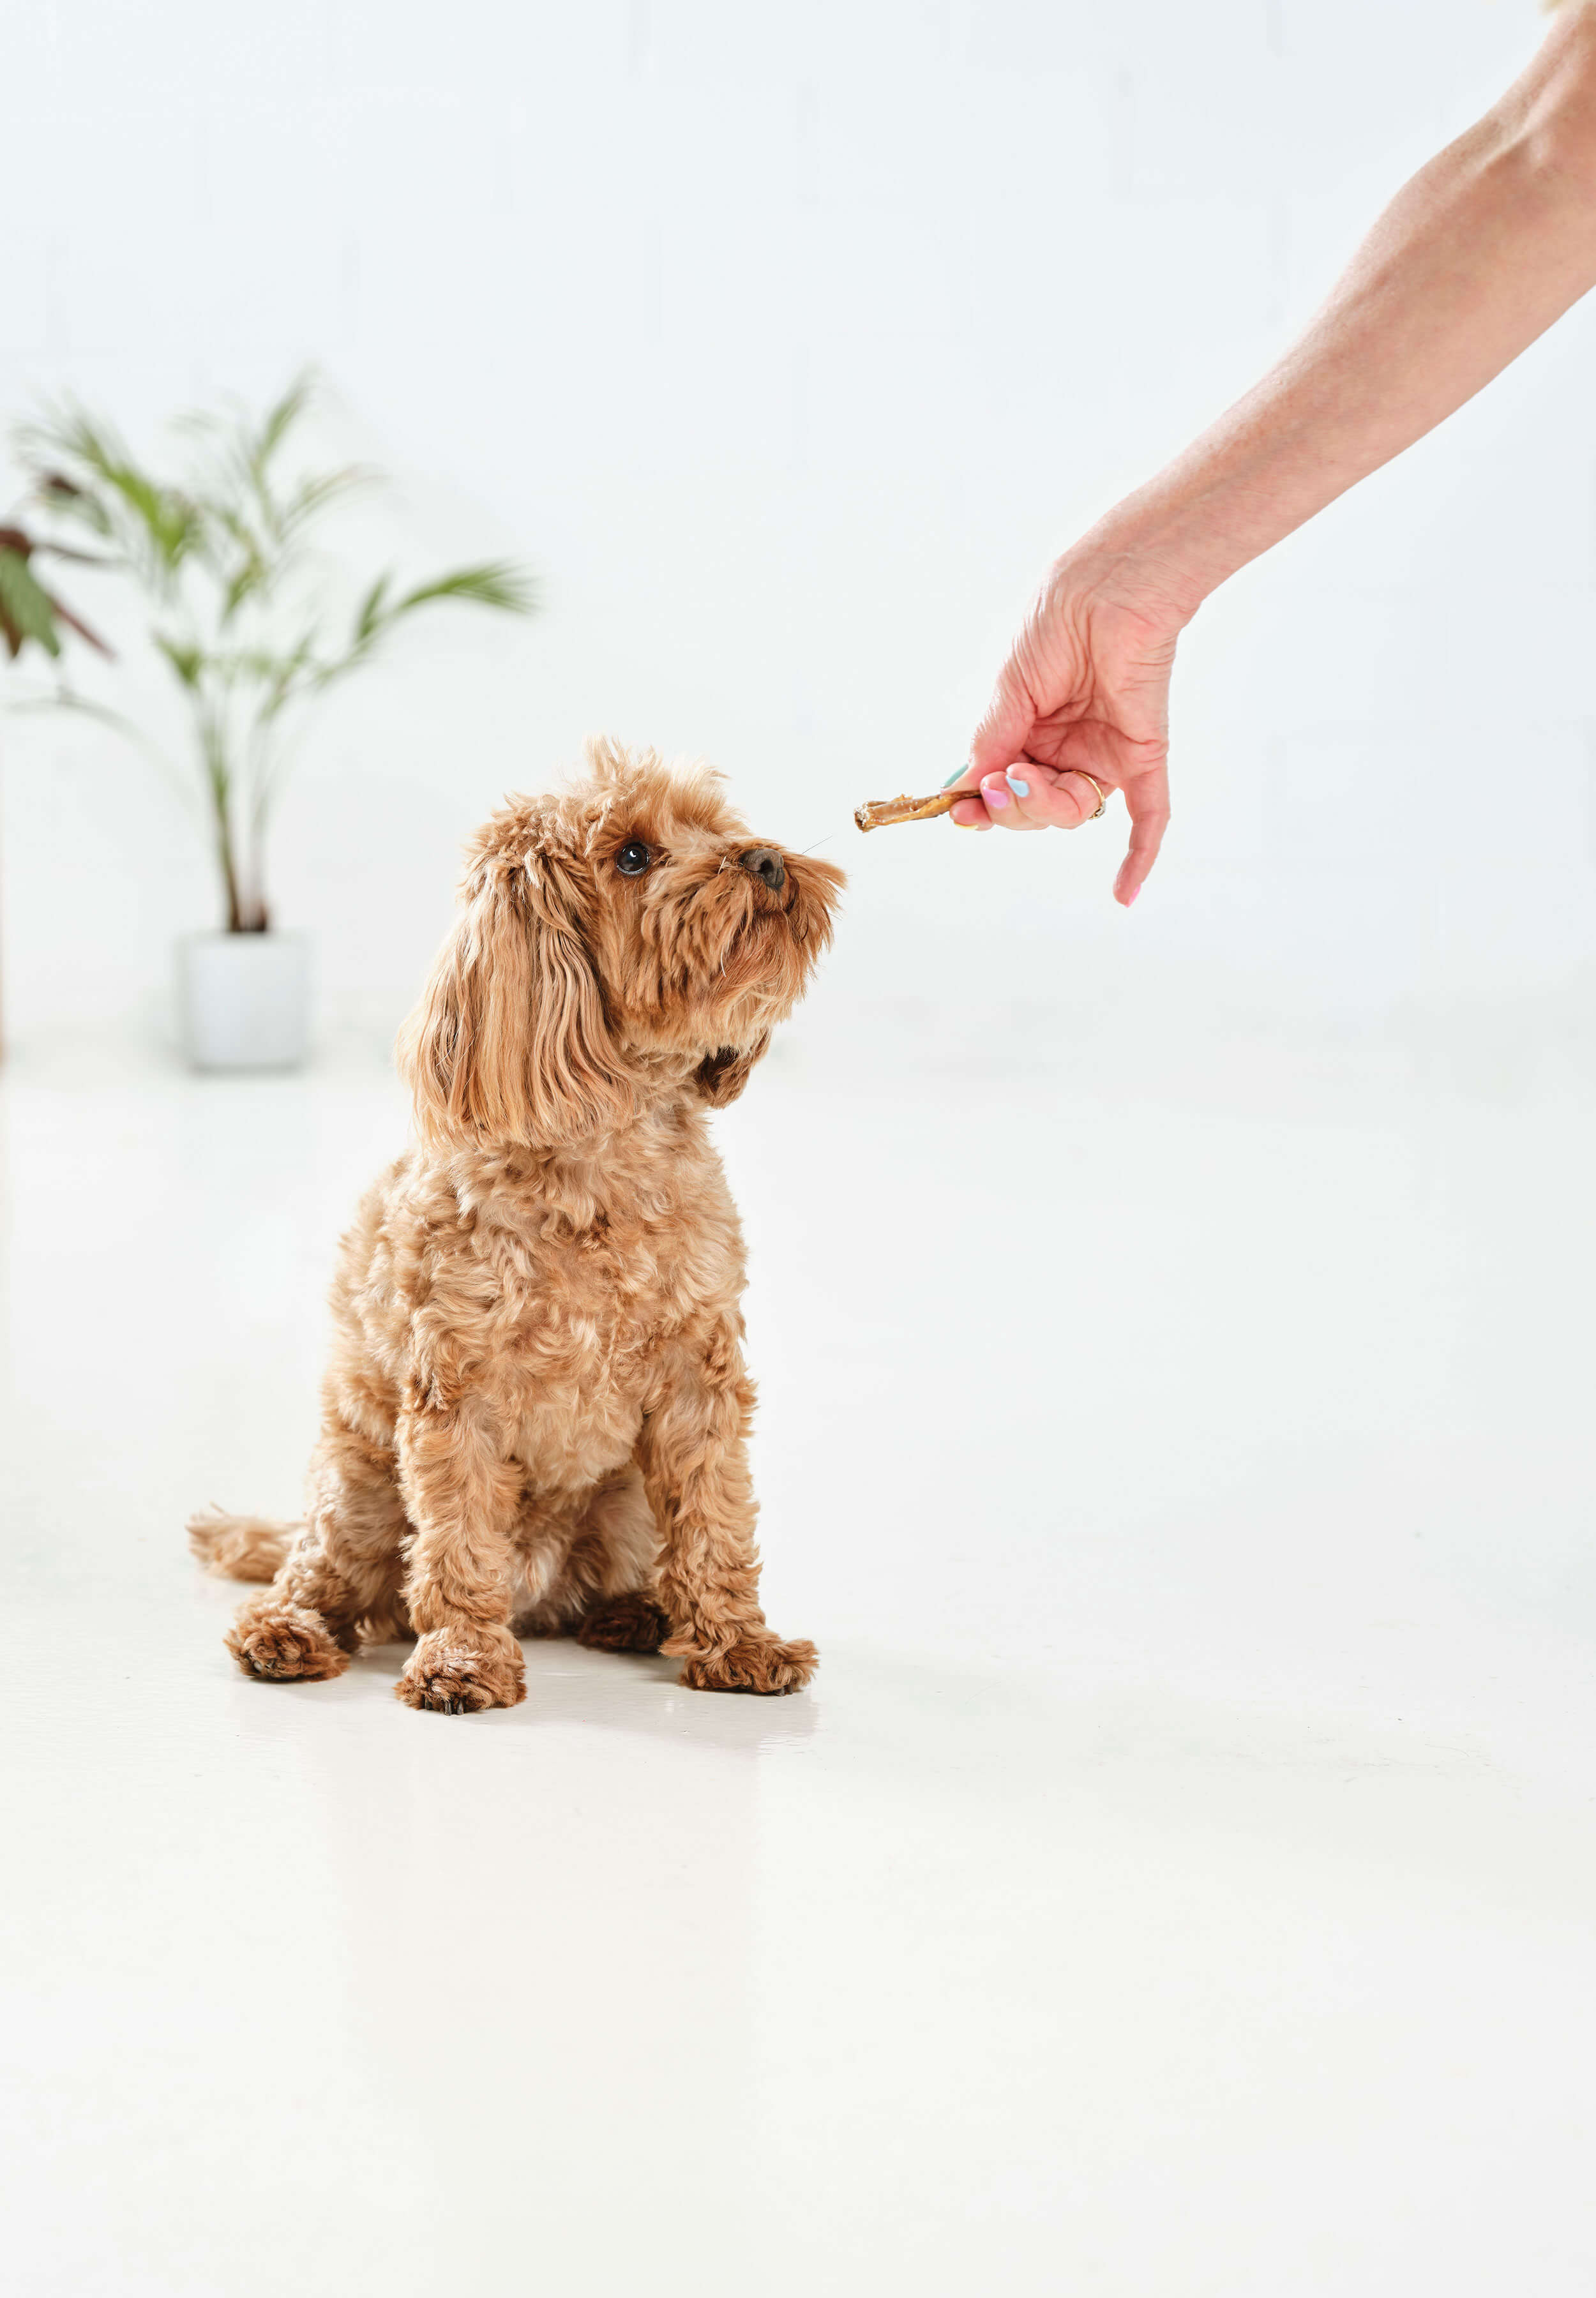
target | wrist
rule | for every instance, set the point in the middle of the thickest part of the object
(1129, 574)
(1168, 547)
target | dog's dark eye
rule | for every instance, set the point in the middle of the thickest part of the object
(633, 859)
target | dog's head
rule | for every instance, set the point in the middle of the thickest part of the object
(616, 942)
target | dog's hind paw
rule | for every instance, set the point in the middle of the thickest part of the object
(632, 1622)
(753, 1664)
(285, 1643)
(454, 1672)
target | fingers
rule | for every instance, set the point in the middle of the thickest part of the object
(971, 812)
(1028, 797)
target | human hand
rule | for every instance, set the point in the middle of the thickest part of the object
(1085, 690)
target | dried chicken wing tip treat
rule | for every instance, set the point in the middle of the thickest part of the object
(878, 812)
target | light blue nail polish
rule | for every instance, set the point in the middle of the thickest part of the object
(1015, 784)
(957, 775)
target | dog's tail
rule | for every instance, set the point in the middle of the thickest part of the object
(239, 1547)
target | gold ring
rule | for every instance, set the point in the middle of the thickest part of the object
(1098, 786)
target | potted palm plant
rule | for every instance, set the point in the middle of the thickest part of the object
(235, 593)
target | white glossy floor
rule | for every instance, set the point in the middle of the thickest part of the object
(1179, 1880)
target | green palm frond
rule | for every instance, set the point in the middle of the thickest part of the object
(67, 433)
(171, 521)
(495, 582)
(289, 675)
(66, 499)
(186, 660)
(314, 496)
(369, 619)
(258, 449)
(279, 420)
(246, 582)
(102, 484)
(498, 582)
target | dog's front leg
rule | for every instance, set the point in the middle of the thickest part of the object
(461, 1493)
(693, 1453)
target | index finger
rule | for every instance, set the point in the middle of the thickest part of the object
(1147, 802)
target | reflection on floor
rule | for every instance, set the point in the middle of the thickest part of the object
(1180, 1877)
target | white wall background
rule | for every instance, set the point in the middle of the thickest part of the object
(788, 343)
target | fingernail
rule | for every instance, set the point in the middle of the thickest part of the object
(957, 774)
(1132, 896)
(1023, 789)
(994, 793)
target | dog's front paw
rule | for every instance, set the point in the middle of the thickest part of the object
(753, 1664)
(455, 1671)
(285, 1643)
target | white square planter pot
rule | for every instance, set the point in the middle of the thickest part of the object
(244, 1000)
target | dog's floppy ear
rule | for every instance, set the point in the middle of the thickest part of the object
(509, 1042)
(723, 1076)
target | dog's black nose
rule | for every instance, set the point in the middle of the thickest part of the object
(764, 863)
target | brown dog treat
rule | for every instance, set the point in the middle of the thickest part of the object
(878, 812)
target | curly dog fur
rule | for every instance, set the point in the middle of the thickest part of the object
(535, 1414)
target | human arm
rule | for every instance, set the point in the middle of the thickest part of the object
(1488, 244)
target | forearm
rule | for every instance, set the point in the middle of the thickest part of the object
(1475, 257)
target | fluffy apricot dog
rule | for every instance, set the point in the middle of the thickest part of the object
(535, 1417)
